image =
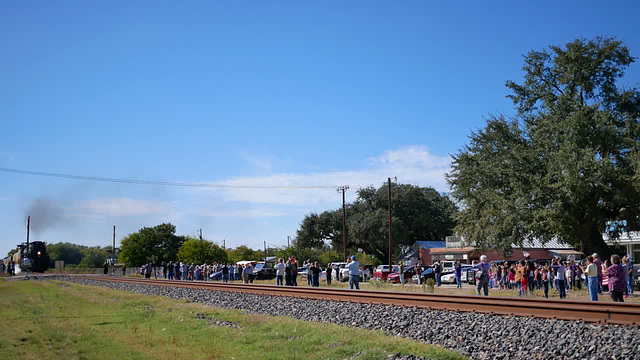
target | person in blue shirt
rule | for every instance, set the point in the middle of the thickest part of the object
(354, 273)
(458, 269)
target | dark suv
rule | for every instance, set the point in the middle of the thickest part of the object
(264, 271)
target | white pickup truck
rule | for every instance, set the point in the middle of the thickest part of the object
(365, 274)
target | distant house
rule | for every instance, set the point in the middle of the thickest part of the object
(456, 249)
(412, 256)
(630, 240)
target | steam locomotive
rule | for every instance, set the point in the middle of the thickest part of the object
(34, 258)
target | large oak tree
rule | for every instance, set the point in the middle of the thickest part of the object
(566, 164)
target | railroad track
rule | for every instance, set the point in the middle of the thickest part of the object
(598, 312)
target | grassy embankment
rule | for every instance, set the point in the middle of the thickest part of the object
(51, 320)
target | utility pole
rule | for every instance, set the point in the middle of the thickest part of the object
(113, 249)
(265, 251)
(200, 233)
(389, 184)
(344, 222)
(288, 237)
(28, 226)
(224, 244)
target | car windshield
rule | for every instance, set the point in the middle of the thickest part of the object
(383, 267)
(258, 267)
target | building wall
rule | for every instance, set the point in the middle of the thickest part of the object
(427, 258)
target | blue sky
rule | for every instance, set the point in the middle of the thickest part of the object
(251, 93)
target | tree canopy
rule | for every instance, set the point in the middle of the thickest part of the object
(198, 251)
(566, 164)
(159, 241)
(418, 213)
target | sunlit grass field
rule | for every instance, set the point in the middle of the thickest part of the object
(54, 320)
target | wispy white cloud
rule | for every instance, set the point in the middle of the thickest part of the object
(411, 165)
(239, 213)
(124, 207)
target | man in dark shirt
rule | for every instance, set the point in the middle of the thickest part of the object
(225, 273)
(437, 270)
(315, 275)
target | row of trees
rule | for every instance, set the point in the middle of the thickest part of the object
(161, 244)
(78, 255)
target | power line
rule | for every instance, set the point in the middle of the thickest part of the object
(163, 183)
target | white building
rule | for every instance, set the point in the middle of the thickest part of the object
(630, 240)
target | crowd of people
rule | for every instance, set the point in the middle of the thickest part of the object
(286, 272)
(9, 269)
(528, 277)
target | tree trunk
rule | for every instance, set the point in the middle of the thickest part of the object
(594, 243)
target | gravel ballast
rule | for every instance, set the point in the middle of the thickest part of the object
(479, 336)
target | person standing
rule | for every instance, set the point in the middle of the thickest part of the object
(315, 275)
(287, 274)
(630, 279)
(294, 271)
(591, 272)
(225, 273)
(105, 270)
(419, 273)
(458, 269)
(437, 269)
(147, 271)
(617, 279)
(560, 277)
(279, 272)
(483, 282)
(309, 275)
(520, 275)
(354, 273)
(245, 274)
(170, 270)
(598, 263)
(545, 280)
(329, 270)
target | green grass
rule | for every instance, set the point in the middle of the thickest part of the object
(52, 320)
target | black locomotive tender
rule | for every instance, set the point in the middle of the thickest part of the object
(36, 252)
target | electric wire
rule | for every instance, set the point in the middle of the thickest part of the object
(164, 183)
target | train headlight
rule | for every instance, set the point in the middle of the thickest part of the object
(39, 253)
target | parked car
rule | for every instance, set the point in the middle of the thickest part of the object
(365, 274)
(447, 267)
(450, 278)
(408, 272)
(427, 273)
(264, 271)
(302, 271)
(383, 271)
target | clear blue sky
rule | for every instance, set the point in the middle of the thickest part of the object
(251, 93)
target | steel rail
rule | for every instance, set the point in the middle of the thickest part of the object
(599, 312)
